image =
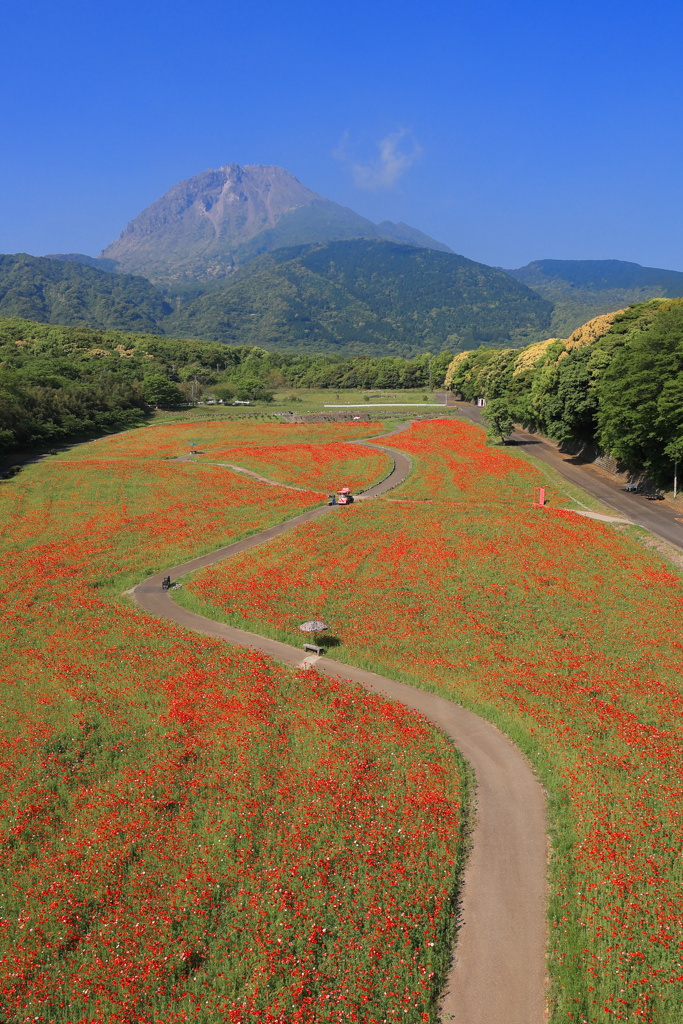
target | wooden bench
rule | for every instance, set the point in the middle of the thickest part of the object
(314, 648)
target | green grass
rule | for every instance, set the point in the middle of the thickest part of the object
(311, 400)
(308, 400)
(577, 497)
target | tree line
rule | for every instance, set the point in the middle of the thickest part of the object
(615, 383)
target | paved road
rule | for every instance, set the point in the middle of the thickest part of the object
(498, 973)
(659, 517)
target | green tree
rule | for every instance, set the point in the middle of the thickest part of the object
(674, 450)
(498, 420)
(223, 392)
(160, 391)
(640, 393)
(249, 389)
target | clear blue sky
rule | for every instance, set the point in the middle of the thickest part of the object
(511, 131)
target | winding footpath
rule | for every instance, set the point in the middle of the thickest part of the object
(498, 974)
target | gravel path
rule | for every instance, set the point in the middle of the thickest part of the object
(498, 974)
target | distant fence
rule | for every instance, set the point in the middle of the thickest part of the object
(376, 416)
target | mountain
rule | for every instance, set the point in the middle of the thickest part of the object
(355, 297)
(365, 297)
(582, 289)
(66, 292)
(98, 262)
(205, 226)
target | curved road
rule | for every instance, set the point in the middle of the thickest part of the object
(498, 972)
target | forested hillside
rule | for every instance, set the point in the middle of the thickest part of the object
(616, 382)
(366, 297)
(349, 298)
(582, 289)
(67, 292)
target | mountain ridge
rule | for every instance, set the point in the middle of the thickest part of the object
(352, 297)
(582, 289)
(365, 296)
(69, 293)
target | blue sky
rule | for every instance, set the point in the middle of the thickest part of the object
(510, 131)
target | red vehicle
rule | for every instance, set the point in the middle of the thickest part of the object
(345, 497)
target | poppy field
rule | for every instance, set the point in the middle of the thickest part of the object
(562, 630)
(323, 466)
(191, 832)
(171, 440)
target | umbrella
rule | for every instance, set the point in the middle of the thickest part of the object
(315, 626)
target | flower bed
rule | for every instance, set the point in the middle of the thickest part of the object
(173, 439)
(324, 467)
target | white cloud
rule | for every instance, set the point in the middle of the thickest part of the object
(397, 152)
(341, 150)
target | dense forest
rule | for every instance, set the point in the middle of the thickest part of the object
(366, 297)
(616, 383)
(344, 298)
(61, 383)
(67, 292)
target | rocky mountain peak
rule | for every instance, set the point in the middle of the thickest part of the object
(205, 225)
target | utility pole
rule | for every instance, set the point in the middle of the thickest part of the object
(675, 452)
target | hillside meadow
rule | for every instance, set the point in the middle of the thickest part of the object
(191, 832)
(560, 629)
